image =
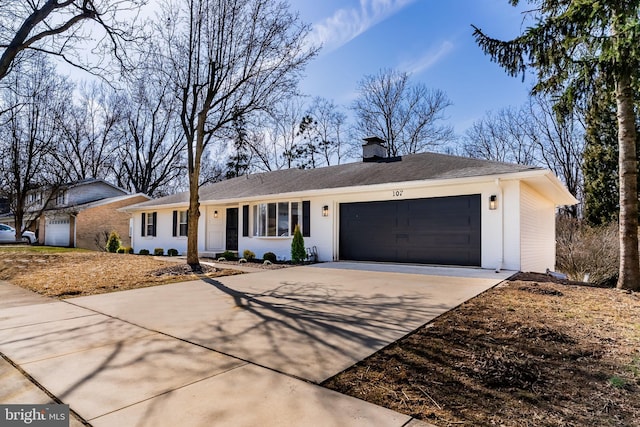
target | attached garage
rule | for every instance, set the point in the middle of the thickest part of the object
(57, 231)
(439, 230)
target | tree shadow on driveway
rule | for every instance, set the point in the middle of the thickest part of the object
(311, 330)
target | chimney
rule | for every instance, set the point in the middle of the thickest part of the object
(374, 149)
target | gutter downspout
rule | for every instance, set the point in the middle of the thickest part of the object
(501, 206)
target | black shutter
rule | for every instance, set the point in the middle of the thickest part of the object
(245, 220)
(187, 226)
(306, 218)
(175, 223)
(143, 231)
(155, 223)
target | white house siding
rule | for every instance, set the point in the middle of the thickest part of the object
(320, 233)
(509, 232)
(164, 233)
(537, 243)
(503, 245)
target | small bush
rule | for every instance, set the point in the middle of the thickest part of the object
(298, 253)
(128, 250)
(228, 255)
(144, 252)
(113, 242)
(158, 251)
(248, 255)
(172, 252)
(583, 250)
(121, 250)
(269, 256)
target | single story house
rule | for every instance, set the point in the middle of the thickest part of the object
(79, 214)
(421, 208)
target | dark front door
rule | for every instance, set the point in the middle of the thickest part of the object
(439, 230)
(232, 229)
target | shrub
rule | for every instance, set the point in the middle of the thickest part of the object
(144, 252)
(113, 242)
(298, 253)
(158, 251)
(128, 250)
(583, 250)
(269, 256)
(228, 255)
(120, 250)
(248, 255)
(172, 252)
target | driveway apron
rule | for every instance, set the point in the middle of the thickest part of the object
(238, 350)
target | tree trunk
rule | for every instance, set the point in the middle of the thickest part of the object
(629, 277)
(193, 217)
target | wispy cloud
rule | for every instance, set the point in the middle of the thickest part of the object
(428, 59)
(348, 23)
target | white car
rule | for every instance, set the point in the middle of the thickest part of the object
(8, 234)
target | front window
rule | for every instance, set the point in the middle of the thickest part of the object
(275, 219)
(182, 223)
(151, 225)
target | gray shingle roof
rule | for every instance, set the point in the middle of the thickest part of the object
(414, 167)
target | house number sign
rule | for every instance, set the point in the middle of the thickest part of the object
(397, 193)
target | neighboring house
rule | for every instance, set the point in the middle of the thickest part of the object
(422, 208)
(80, 214)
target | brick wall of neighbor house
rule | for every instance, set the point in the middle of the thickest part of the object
(94, 222)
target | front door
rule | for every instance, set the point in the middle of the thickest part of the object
(232, 229)
(215, 229)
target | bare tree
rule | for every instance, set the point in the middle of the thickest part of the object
(503, 137)
(282, 132)
(323, 127)
(28, 133)
(63, 27)
(407, 116)
(534, 134)
(91, 136)
(559, 139)
(225, 59)
(151, 150)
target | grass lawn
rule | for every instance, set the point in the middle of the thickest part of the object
(63, 273)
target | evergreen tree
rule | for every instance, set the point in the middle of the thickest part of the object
(298, 254)
(569, 44)
(600, 164)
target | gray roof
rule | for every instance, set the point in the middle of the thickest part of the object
(414, 167)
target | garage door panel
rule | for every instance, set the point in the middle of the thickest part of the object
(442, 230)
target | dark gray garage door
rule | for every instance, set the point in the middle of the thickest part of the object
(440, 230)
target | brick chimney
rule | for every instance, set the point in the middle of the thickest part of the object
(374, 149)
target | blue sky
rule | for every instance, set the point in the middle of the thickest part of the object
(430, 39)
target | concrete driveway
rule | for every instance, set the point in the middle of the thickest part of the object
(239, 350)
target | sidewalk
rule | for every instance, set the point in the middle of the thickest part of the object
(113, 372)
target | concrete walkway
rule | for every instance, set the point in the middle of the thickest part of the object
(240, 350)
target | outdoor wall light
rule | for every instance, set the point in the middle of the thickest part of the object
(493, 202)
(215, 214)
(325, 210)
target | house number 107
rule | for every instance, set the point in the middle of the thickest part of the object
(397, 193)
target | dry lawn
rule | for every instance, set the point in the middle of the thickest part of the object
(528, 353)
(66, 273)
